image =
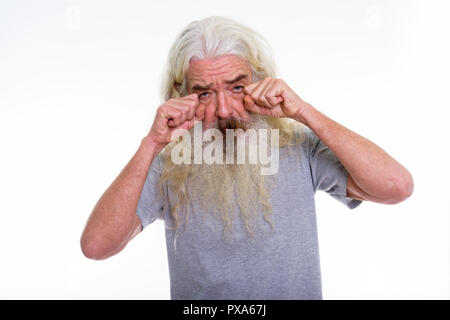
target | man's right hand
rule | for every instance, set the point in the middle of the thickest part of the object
(174, 114)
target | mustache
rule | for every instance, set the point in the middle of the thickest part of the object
(233, 123)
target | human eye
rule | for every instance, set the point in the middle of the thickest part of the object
(238, 88)
(204, 94)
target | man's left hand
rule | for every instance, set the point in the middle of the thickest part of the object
(273, 97)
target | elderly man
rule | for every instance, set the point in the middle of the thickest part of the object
(232, 232)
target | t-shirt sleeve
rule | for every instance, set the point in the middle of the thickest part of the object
(327, 172)
(152, 203)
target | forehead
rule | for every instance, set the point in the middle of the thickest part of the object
(218, 68)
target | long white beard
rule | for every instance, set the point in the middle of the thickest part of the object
(220, 189)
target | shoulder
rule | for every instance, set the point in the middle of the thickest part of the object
(303, 138)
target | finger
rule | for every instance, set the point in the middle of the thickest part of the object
(179, 118)
(200, 113)
(168, 112)
(190, 113)
(180, 130)
(248, 89)
(193, 104)
(250, 105)
(274, 100)
(188, 106)
(255, 88)
(262, 95)
(258, 94)
(187, 125)
(192, 96)
(187, 109)
(273, 93)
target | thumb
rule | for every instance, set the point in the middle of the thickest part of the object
(181, 130)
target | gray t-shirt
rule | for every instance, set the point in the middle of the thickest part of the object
(276, 264)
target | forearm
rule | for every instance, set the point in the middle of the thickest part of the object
(370, 167)
(113, 219)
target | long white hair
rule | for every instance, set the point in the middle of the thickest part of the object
(212, 37)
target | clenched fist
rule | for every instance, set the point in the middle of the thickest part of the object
(273, 97)
(173, 115)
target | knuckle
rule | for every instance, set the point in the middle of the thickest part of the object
(162, 109)
(182, 115)
(189, 111)
(190, 100)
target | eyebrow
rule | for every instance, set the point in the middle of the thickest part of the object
(199, 87)
(206, 87)
(238, 78)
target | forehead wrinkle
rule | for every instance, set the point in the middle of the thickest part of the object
(211, 83)
(204, 72)
(218, 72)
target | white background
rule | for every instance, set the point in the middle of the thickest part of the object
(79, 85)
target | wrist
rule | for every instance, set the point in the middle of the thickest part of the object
(303, 111)
(151, 143)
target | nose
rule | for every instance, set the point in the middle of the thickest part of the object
(223, 109)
